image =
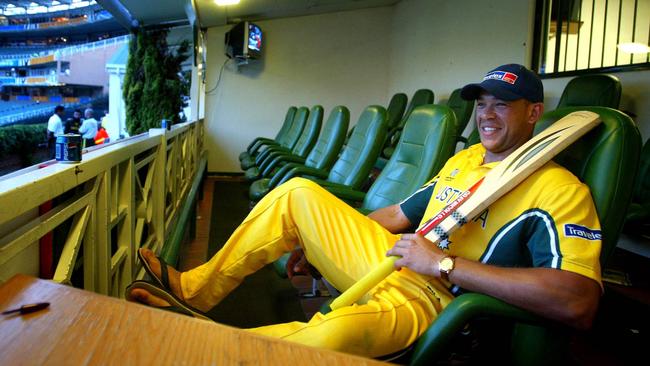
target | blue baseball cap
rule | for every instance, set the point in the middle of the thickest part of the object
(508, 82)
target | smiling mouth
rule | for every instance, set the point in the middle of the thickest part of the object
(489, 130)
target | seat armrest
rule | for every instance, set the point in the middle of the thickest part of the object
(254, 145)
(262, 155)
(270, 157)
(262, 145)
(433, 342)
(344, 192)
(301, 171)
(283, 159)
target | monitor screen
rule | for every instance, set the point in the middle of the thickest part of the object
(254, 37)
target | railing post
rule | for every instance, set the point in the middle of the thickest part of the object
(159, 188)
(102, 234)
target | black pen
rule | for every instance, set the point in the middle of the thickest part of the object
(28, 308)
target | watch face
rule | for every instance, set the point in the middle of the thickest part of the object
(446, 264)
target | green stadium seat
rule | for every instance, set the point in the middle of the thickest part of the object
(596, 90)
(638, 215)
(302, 148)
(288, 140)
(257, 142)
(428, 140)
(395, 110)
(421, 97)
(463, 110)
(322, 157)
(357, 158)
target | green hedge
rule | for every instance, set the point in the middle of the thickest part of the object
(21, 139)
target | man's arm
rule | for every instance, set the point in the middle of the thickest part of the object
(556, 294)
(392, 218)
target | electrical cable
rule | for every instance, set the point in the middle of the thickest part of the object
(218, 79)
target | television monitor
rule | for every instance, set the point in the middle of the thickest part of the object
(244, 41)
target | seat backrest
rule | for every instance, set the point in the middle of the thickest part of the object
(473, 138)
(288, 121)
(606, 159)
(601, 90)
(290, 139)
(421, 97)
(331, 139)
(427, 141)
(362, 150)
(310, 132)
(642, 186)
(395, 109)
(463, 110)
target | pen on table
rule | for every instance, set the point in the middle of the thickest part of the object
(28, 308)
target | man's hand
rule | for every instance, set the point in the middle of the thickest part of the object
(418, 254)
(297, 264)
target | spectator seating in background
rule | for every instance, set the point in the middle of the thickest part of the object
(357, 158)
(395, 110)
(258, 141)
(420, 97)
(302, 148)
(427, 142)
(322, 157)
(463, 110)
(597, 90)
(288, 140)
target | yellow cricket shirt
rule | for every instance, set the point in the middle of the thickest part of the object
(549, 220)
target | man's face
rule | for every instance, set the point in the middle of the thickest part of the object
(504, 125)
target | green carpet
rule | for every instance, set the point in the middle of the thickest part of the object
(263, 298)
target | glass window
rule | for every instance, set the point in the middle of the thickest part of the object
(575, 36)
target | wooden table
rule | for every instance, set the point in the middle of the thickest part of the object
(84, 328)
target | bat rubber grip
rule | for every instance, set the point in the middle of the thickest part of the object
(365, 284)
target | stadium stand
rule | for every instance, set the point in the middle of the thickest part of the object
(54, 54)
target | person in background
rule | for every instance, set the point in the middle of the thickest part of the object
(54, 128)
(88, 128)
(101, 136)
(72, 124)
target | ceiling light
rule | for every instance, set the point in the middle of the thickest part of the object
(226, 2)
(634, 47)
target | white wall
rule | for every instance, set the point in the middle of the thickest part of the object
(330, 59)
(443, 45)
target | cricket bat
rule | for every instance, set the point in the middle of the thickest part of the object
(500, 180)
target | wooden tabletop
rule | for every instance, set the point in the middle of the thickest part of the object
(84, 328)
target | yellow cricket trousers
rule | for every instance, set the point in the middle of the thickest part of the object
(343, 245)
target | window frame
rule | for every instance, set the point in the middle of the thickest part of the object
(539, 33)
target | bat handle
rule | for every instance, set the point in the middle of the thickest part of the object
(365, 284)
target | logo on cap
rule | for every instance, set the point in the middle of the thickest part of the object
(508, 77)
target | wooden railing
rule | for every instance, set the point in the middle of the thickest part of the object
(121, 197)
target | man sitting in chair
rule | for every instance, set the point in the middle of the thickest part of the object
(521, 249)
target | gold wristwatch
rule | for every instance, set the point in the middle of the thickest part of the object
(445, 266)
